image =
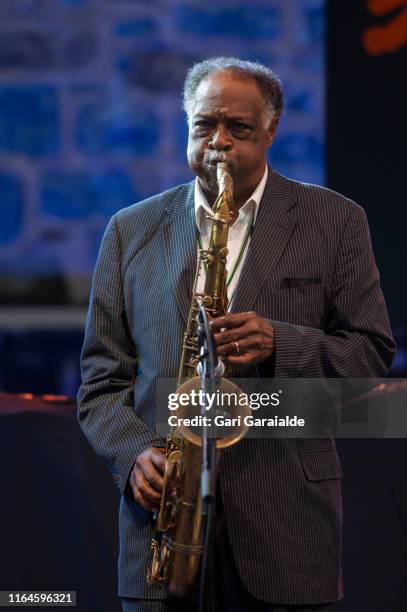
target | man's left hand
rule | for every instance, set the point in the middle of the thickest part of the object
(243, 338)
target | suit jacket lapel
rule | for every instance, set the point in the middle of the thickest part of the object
(274, 224)
(179, 235)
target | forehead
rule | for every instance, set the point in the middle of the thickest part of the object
(225, 93)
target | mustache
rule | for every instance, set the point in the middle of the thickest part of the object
(213, 157)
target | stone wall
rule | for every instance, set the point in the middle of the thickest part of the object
(90, 117)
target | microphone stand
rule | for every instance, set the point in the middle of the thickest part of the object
(210, 369)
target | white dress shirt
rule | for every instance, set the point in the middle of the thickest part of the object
(237, 232)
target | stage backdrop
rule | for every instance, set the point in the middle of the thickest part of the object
(90, 117)
(366, 129)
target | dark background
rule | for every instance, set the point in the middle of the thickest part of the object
(366, 137)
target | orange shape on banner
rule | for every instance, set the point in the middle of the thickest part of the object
(390, 36)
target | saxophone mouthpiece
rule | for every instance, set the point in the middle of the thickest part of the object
(221, 170)
(223, 176)
(213, 158)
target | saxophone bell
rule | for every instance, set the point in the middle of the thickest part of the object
(227, 413)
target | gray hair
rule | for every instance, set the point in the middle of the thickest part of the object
(269, 84)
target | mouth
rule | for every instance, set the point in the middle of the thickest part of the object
(212, 158)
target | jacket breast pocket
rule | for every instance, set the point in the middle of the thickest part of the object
(321, 465)
(302, 305)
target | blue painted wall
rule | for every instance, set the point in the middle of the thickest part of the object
(90, 117)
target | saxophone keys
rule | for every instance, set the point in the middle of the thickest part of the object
(207, 301)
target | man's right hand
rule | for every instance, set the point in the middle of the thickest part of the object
(146, 478)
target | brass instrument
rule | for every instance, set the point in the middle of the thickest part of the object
(177, 542)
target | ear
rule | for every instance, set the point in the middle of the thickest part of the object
(270, 134)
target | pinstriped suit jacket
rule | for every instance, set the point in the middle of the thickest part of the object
(281, 498)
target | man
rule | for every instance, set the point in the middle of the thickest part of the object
(305, 302)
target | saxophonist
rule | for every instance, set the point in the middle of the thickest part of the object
(305, 301)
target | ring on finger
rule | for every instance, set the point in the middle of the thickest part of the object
(237, 348)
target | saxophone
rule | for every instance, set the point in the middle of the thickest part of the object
(177, 542)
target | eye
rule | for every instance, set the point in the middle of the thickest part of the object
(202, 123)
(202, 127)
(240, 130)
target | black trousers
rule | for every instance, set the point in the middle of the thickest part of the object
(230, 593)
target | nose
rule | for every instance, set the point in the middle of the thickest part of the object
(220, 139)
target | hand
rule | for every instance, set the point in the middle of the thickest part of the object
(245, 338)
(146, 478)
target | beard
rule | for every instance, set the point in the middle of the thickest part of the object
(212, 158)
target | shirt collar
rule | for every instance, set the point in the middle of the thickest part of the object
(202, 207)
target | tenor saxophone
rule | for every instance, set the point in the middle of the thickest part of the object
(178, 538)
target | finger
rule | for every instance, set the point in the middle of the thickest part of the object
(229, 349)
(154, 479)
(249, 357)
(253, 342)
(145, 503)
(256, 334)
(243, 360)
(146, 490)
(256, 342)
(151, 475)
(158, 458)
(149, 496)
(236, 334)
(231, 320)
